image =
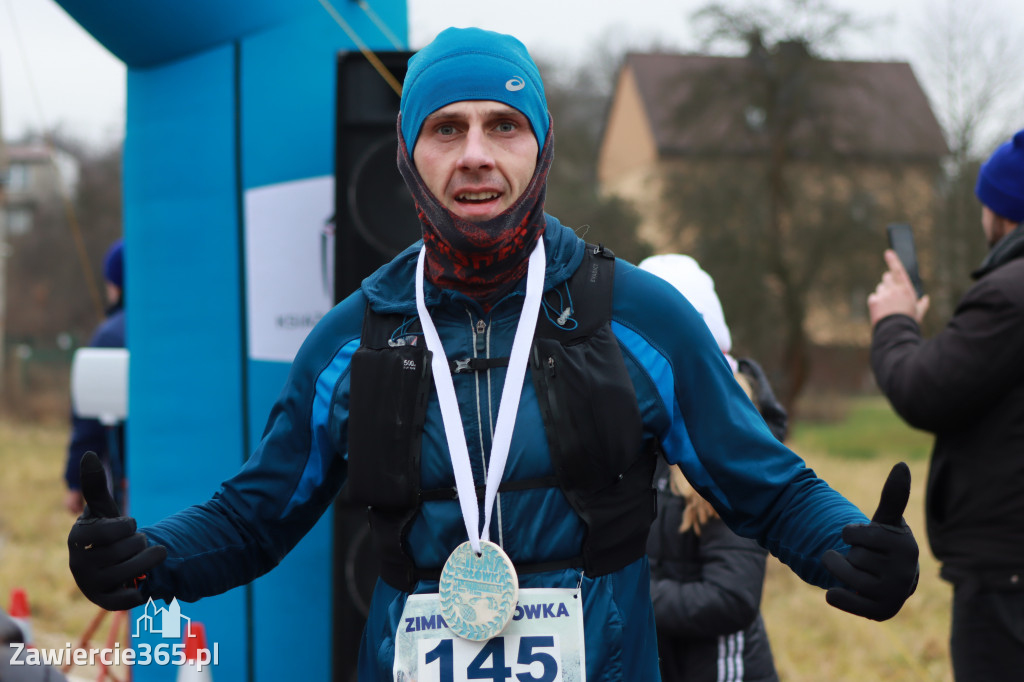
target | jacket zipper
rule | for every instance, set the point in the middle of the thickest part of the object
(480, 337)
(480, 340)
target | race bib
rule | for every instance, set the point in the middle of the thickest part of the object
(542, 643)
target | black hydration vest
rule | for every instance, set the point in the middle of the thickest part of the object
(590, 413)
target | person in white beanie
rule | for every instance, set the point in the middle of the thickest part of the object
(706, 581)
(686, 275)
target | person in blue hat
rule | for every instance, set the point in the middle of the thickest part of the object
(966, 385)
(497, 397)
(89, 434)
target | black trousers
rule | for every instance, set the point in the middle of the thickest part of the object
(987, 638)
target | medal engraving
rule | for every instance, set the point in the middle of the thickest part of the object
(478, 593)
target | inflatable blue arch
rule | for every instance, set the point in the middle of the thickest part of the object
(227, 103)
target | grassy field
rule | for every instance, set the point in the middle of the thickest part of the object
(33, 532)
(811, 640)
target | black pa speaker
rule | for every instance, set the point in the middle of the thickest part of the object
(375, 219)
(355, 573)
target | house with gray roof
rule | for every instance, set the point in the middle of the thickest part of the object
(859, 130)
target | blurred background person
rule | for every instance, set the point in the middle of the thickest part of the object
(14, 663)
(706, 581)
(90, 434)
(966, 385)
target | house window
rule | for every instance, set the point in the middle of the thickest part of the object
(19, 221)
(755, 117)
(858, 309)
(18, 177)
(862, 209)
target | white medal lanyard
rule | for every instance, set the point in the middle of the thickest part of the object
(507, 409)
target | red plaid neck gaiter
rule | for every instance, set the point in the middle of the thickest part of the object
(484, 260)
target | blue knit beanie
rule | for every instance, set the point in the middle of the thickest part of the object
(472, 64)
(1001, 180)
(113, 264)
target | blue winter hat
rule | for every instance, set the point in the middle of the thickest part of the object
(472, 64)
(113, 264)
(1001, 180)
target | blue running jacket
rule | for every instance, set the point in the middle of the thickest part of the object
(688, 400)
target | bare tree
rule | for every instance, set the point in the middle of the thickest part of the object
(774, 199)
(811, 22)
(973, 62)
(578, 97)
(49, 287)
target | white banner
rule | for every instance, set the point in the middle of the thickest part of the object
(289, 264)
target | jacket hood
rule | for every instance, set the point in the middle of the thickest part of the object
(392, 288)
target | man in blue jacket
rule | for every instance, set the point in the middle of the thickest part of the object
(89, 434)
(497, 395)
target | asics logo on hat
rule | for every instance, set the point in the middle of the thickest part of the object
(515, 84)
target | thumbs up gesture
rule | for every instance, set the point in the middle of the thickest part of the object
(106, 553)
(880, 572)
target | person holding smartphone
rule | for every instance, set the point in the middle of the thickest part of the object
(966, 385)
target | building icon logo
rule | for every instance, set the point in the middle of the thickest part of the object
(166, 622)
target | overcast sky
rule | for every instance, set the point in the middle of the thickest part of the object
(54, 73)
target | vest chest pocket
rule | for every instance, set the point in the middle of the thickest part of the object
(587, 395)
(390, 387)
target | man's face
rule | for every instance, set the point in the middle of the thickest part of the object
(113, 293)
(476, 157)
(994, 226)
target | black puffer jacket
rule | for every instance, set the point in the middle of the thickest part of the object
(707, 595)
(966, 385)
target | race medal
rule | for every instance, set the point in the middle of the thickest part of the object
(478, 589)
(478, 593)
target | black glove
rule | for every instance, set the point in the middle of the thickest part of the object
(106, 554)
(881, 569)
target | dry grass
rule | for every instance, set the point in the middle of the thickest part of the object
(33, 533)
(34, 527)
(811, 640)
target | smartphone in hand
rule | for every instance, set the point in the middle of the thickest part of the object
(901, 240)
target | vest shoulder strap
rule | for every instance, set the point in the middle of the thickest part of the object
(579, 307)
